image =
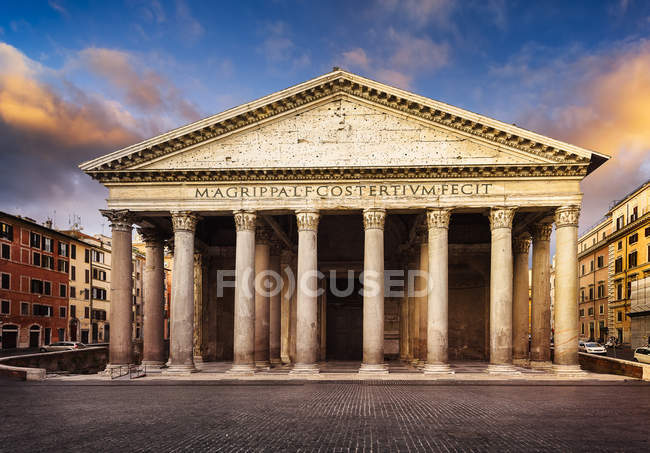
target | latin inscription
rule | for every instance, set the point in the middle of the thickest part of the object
(351, 190)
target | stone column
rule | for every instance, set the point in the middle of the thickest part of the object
(153, 346)
(286, 299)
(181, 359)
(540, 348)
(413, 311)
(422, 301)
(438, 292)
(307, 294)
(501, 291)
(244, 326)
(404, 320)
(275, 305)
(373, 292)
(565, 360)
(120, 347)
(262, 256)
(520, 301)
(293, 314)
(198, 308)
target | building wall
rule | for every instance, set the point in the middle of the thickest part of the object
(24, 266)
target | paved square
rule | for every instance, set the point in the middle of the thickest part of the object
(324, 416)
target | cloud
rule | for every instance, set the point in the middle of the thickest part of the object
(141, 88)
(279, 48)
(56, 6)
(419, 12)
(191, 29)
(598, 101)
(399, 59)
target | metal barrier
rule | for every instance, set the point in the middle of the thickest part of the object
(133, 371)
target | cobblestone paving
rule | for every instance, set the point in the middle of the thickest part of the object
(318, 416)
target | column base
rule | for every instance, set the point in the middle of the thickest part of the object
(243, 369)
(276, 361)
(520, 362)
(263, 365)
(305, 368)
(502, 369)
(153, 366)
(198, 359)
(568, 371)
(179, 370)
(540, 365)
(437, 368)
(373, 369)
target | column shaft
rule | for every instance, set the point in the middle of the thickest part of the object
(153, 347)
(501, 291)
(120, 347)
(181, 360)
(520, 302)
(244, 325)
(285, 322)
(566, 290)
(413, 309)
(373, 292)
(198, 308)
(422, 302)
(307, 294)
(540, 348)
(262, 257)
(438, 292)
(275, 308)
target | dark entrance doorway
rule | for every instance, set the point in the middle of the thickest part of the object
(84, 336)
(34, 336)
(344, 322)
(9, 337)
(95, 332)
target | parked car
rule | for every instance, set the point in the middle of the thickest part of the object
(642, 355)
(63, 346)
(591, 347)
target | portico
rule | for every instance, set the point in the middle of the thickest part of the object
(344, 176)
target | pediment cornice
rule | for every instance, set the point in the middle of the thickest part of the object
(341, 83)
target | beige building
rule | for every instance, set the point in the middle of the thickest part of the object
(342, 182)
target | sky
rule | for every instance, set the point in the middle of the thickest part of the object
(79, 79)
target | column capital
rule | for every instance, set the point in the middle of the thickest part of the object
(522, 245)
(245, 220)
(198, 258)
(120, 219)
(438, 218)
(567, 216)
(541, 231)
(151, 236)
(501, 218)
(307, 219)
(374, 218)
(184, 221)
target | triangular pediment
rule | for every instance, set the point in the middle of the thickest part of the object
(343, 132)
(341, 120)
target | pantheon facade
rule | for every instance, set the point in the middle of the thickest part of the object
(344, 182)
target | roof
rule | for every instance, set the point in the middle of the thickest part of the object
(336, 82)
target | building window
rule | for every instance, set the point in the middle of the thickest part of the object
(619, 222)
(63, 290)
(73, 311)
(63, 249)
(583, 269)
(629, 289)
(87, 276)
(99, 275)
(137, 292)
(73, 273)
(36, 259)
(635, 214)
(47, 244)
(47, 288)
(600, 261)
(591, 266)
(618, 265)
(24, 309)
(590, 311)
(98, 257)
(6, 231)
(601, 290)
(73, 251)
(619, 316)
(73, 292)
(86, 256)
(5, 307)
(582, 312)
(86, 312)
(35, 240)
(86, 294)
(601, 309)
(63, 266)
(99, 293)
(61, 334)
(6, 281)
(41, 310)
(6, 251)
(620, 245)
(61, 312)
(591, 293)
(619, 291)
(633, 239)
(47, 262)
(647, 231)
(582, 328)
(631, 259)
